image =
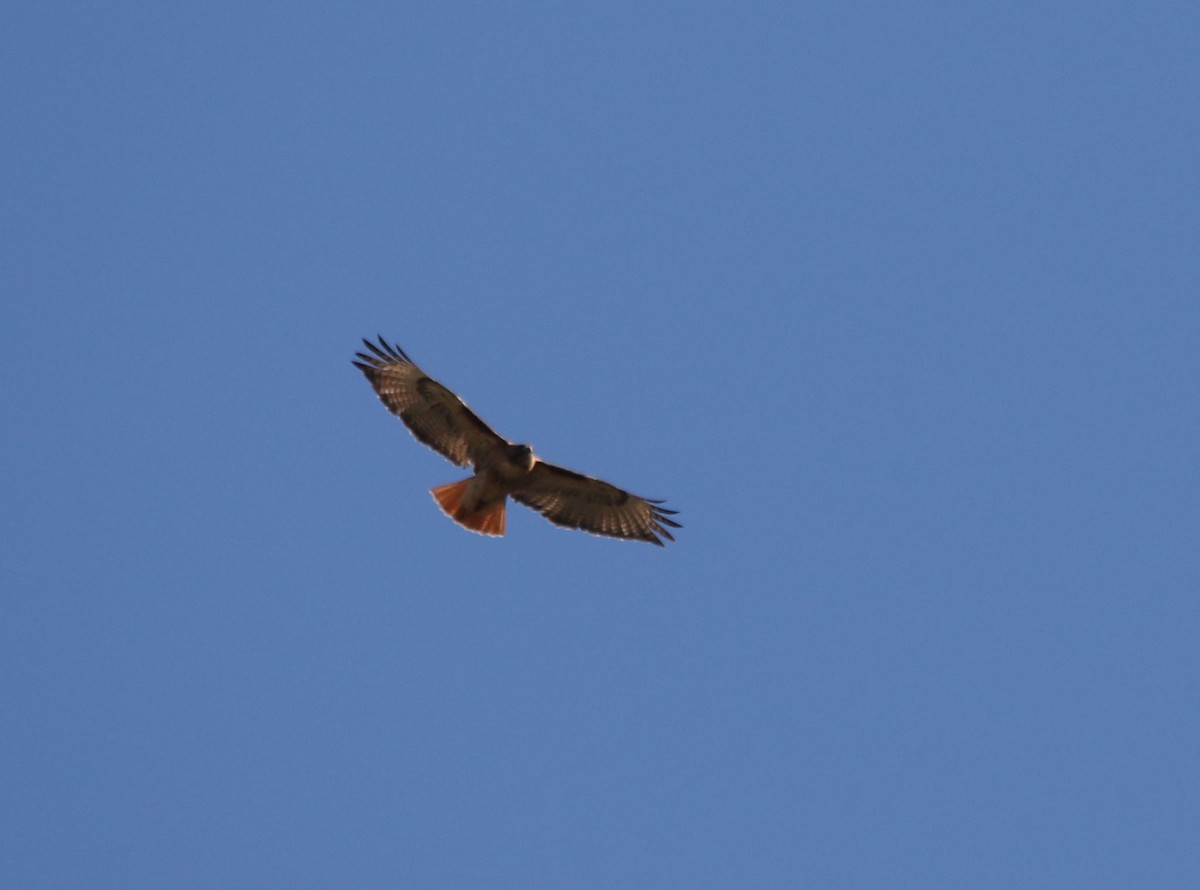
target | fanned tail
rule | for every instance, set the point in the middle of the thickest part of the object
(488, 520)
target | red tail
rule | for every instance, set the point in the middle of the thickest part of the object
(487, 520)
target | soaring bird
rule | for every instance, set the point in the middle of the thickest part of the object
(441, 420)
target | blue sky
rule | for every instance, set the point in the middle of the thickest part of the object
(896, 304)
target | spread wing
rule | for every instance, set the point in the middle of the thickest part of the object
(577, 501)
(434, 414)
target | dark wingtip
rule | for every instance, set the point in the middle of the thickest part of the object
(661, 514)
(385, 351)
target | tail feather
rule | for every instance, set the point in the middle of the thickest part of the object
(449, 497)
(488, 520)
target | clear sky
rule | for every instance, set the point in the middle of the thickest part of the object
(898, 304)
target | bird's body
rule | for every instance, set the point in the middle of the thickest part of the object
(441, 420)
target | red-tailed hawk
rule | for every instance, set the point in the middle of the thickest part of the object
(441, 420)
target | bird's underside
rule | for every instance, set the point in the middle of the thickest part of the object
(441, 420)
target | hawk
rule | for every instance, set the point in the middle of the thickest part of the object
(441, 420)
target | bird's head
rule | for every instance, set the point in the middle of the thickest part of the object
(522, 456)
